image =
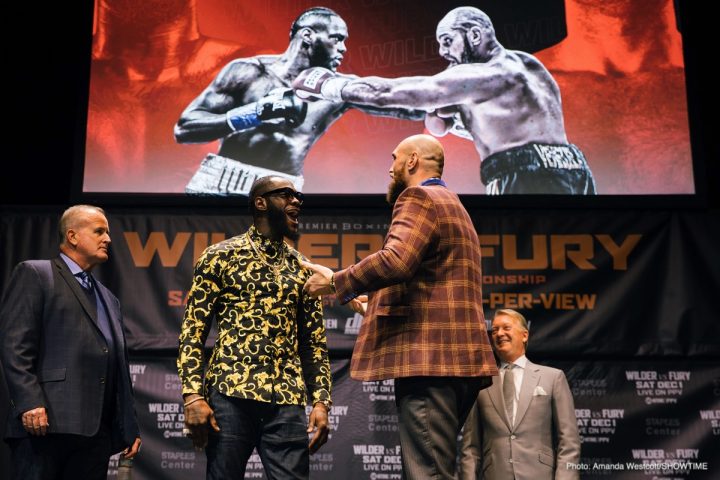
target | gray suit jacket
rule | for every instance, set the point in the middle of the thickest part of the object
(543, 440)
(54, 355)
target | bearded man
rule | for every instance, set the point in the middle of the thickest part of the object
(424, 324)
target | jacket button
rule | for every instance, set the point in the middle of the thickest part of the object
(512, 437)
(102, 379)
(105, 350)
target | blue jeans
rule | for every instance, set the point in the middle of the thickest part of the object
(279, 432)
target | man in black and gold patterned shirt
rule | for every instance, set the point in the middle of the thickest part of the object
(270, 357)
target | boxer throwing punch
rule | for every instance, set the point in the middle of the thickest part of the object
(505, 101)
(251, 107)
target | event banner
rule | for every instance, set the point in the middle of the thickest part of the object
(637, 420)
(624, 303)
(604, 284)
(195, 97)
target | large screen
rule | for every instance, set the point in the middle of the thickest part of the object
(527, 96)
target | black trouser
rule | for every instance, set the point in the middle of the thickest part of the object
(432, 410)
(58, 456)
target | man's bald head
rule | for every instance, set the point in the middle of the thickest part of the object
(429, 150)
(415, 159)
(464, 19)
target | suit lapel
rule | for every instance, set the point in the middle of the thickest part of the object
(530, 381)
(76, 289)
(495, 393)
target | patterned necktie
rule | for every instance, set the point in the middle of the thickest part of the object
(509, 391)
(85, 280)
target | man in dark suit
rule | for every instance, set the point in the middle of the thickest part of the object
(64, 357)
(525, 429)
(424, 325)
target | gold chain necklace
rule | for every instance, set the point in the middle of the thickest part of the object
(264, 259)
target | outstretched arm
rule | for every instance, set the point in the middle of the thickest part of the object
(457, 85)
(412, 231)
(401, 113)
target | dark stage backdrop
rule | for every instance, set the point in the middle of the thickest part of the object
(624, 303)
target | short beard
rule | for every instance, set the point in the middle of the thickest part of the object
(468, 56)
(395, 188)
(277, 221)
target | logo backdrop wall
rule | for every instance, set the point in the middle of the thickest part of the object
(623, 303)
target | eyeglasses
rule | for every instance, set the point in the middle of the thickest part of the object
(287, 193)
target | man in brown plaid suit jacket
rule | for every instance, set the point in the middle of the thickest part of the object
(424, 324)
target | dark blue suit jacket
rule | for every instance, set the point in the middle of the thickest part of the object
(54, 355)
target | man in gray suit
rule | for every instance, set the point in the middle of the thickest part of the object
(524, 429)
(64, 357)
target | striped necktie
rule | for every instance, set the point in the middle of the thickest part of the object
(85, 280)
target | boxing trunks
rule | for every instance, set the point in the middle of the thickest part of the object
(538, 168)
(219, 175)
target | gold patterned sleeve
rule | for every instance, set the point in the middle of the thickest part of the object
(197, 321)
(312, 347)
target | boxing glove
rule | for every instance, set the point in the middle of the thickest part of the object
(458, 127)
(278, 106)
(446, 120)
(319, 83)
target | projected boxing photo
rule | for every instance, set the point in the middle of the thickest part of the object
(562, 97)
